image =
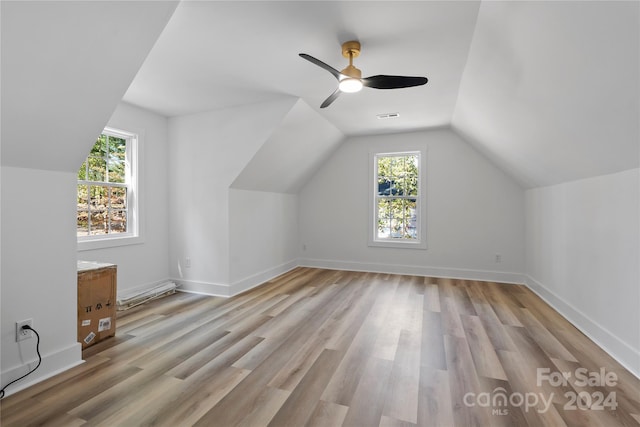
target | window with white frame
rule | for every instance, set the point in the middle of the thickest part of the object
(398, 202)
(106, 202)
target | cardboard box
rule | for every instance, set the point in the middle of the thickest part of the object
(97, 286)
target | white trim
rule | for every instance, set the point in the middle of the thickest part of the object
(52, 365)
(237, 287)
(421, 242)
(262, 277)
(450, 273)
(135, 234)
(617, 348)
(111, 242)
(202, 288)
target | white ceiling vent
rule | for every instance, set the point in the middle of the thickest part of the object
(388, 115)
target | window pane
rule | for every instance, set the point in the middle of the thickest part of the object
(384, 212)
(384, 206)
(82, 224)
(100, 147)
(118, 198)
(118, 221)
(82, 172)
(401, 186)
(411, 186)
(116, 170)
(397, 166)
(383, 186)
(117, 145)
(99, 197)
(410, 219)
(396, 228)
(384, 166)
(117, 154)
(82, 198)
(98, 223)
(97, 168)
(82, 221)
(397, 218)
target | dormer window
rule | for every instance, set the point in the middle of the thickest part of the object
(106, 199)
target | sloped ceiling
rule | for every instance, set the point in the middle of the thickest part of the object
(292, 154)
(551, 89)
(548, 90)
(65, 67)
(216, 54)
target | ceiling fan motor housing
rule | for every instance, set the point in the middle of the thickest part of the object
(351, 49)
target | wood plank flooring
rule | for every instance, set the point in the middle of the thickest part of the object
(329, 348)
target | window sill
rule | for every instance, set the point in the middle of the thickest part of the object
(397, 244)
(111, 242)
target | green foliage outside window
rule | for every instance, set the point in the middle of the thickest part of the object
(102, 206)
(397, 193)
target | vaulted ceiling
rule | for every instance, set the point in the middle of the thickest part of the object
(65, 67)
(549, 91)
(216, 54)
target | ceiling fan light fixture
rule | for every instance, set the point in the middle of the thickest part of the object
(350, 79)
(350, 85)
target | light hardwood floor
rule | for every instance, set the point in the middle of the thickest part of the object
(330, 348)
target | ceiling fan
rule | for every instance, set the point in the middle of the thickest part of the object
(350, 79)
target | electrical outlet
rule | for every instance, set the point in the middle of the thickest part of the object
(187, 262)
(23, 334)
(498, 258)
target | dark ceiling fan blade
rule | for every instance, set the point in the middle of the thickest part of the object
(321, 64)
(330, 99)
(393, 82)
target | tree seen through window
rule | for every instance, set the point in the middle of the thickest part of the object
(397, 196)
(103, 188)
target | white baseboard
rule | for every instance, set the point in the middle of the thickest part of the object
(242, 285)
(451, 273)
(237, 287)
(262, 277)
(204, 288)
(626, 355)
(52, 364)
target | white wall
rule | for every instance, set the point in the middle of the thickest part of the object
(39, 279)
(583, 257)
(474, 211)
(207, 152)
(264, 230)
(145, 264)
